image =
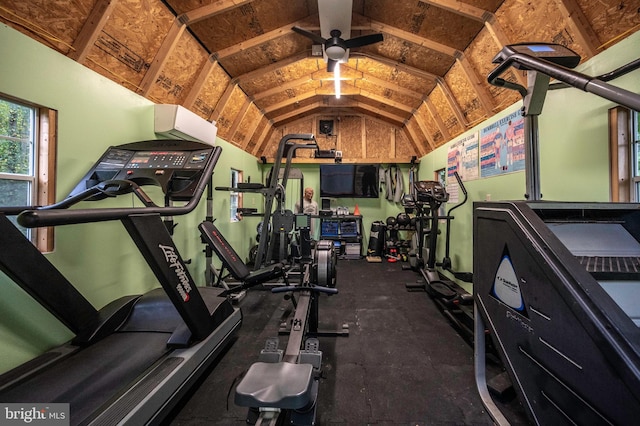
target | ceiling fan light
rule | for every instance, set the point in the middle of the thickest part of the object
(335, 52)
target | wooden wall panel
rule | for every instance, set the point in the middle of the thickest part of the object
(126, 47)
(539, 20)
(248, 122)
(179, 72)
(60, 22)
(350, 137)
(464, 93)
(379, 136)
(446, 113)
(211, 92)
(611, 19)
(229, 113)
(404, 148)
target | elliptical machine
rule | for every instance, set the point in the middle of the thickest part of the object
(454, 302)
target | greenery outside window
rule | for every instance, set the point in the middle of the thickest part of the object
(27, 160)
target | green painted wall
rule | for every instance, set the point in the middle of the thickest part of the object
(574, 153)
(100, 259)
(94, 113)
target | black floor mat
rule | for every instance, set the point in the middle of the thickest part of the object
(402, 364)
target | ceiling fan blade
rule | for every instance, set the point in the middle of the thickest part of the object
(331, 65)
(313, 36)
(363, 40)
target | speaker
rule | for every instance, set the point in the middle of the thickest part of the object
(326, 127)
(326, 204)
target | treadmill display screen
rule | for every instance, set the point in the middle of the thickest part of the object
(158, 160)
(541, 48)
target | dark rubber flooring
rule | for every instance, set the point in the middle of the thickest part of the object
(402, 363)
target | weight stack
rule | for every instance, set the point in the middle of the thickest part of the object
(376, 239)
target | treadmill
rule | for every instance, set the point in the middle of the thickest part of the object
(131, 361)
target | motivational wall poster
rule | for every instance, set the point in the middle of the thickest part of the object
(502, 146)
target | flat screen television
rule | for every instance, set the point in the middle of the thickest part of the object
(349, 180)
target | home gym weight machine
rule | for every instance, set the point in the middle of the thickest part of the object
(276, 225)
(557, 283)
(454, 302)
(131, 361)
(282, 387)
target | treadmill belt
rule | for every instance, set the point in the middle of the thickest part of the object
(610, 264)
(93, 375)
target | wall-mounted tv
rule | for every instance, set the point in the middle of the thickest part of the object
(349, 180)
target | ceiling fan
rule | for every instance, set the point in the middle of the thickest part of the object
(335, 21)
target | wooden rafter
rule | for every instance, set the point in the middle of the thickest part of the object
(397, 65)
(91, 29)
(415, 140)
(271, 67)
(222, 102)
(576, 18)
(203, 75)
(239, 117)
(256, 41)
(483, 96)
(453, 104)
(501, 39)
(425, 131)
(250, 131)
(281, 88)
(413, 38)
(265, 135)
(215, 8)
(169, 43)
(436, 117)
(461, 8)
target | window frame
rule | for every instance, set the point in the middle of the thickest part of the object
(235, 197)
(43, 159)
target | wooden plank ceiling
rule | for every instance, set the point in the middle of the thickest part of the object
(239, 63)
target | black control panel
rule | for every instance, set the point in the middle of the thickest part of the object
(556, 53)
(174, 165)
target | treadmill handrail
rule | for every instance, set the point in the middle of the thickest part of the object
(572, 78)
(58, 214)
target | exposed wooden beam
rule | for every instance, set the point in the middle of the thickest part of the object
(222, 102)
(587, 37)
(397, 65)
(290, 101)
(281, 88)
(203, 75)
(91, 29)
(256, 41)
(216, 7)
(501, 39)
(413, 38)
(425, 131)
(483, 96)
(460, 8)
(239, 117)
(265, 135)
(169, 43)
(453, 104)
(414, 139)
(251, 75)
(436, 117)
(250, 131)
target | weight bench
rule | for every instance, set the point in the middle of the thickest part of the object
(233, 264)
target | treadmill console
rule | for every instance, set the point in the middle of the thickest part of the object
(556, 53)
(174, 165)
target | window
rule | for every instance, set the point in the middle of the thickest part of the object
(26, 161)
(236, 197)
